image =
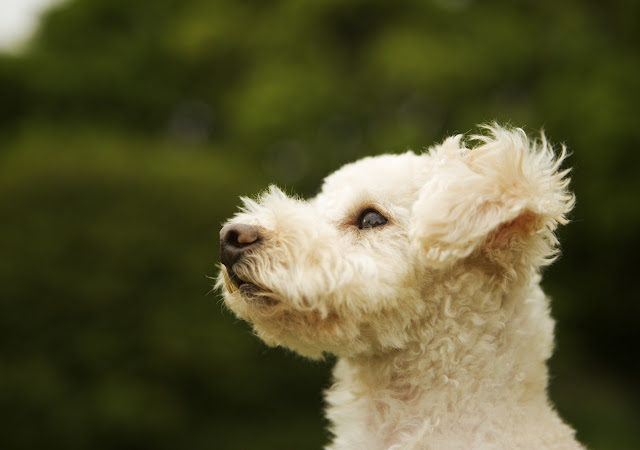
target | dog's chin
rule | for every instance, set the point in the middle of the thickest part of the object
(247, 289)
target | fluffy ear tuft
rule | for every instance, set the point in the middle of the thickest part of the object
(507, 193)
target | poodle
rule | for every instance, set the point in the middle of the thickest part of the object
(421, 273)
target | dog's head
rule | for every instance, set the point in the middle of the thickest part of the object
(388, 240)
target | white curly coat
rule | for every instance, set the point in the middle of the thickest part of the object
(437, 318)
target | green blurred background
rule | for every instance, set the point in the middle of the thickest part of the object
(129, 128)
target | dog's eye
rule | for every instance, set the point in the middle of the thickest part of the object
(371, 219)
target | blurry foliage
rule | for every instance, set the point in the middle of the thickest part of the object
(128, 130)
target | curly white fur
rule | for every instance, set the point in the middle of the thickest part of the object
(440, 327)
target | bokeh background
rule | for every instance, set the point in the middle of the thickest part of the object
(129, 128)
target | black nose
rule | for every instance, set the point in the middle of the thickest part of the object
(234, 240)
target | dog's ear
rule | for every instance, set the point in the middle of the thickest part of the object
(506, 195)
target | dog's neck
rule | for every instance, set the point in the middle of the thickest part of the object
(462, 373)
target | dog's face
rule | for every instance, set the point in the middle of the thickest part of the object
(353, 270)
(324, 272)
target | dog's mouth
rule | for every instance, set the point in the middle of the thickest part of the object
(247, 288)
(235, 279)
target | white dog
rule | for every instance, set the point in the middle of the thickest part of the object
(421, 273)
